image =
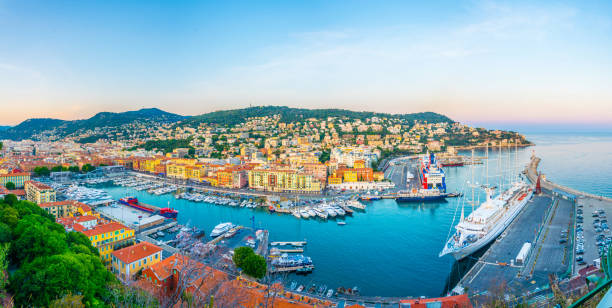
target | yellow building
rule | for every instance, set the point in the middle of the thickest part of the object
(283, 181)
(177, 171)
(38, 192)
(129, 260)
(61, 209)
(18, 179)
(349, 176)
(106, 237)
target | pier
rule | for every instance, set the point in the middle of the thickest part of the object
(302, 243)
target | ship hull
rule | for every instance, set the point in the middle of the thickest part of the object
(470, 249)
(421, 198)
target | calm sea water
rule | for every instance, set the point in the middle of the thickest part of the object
(392, 249)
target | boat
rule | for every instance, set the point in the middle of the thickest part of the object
(330, 293)
(304, 214)
(160, 233)
(420, 195)
(231, 232)
(300, 288)
(487, 221)
(293, 285)
(369, 197)
(286, 260)
(321, 213)
(341, 223)
(432, 175)
(296, 213)
(133, 202)
(271, 208)
(221, 228)
(304, 269)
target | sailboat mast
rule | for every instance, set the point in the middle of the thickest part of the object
(487, 163)
(472, 180)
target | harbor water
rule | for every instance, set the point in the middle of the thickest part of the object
(392, 249)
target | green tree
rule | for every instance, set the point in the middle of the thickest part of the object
(240, 255)
(6, 234)
(57, 169)
(42, 171)
(45, 279)
(10, 199)
(9, 216)
(33, 239)
(4, 262)
(10, 185)
(252, 264)
(88, 168)
(74, 169)
(255, 265)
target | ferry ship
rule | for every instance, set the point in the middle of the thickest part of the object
(432, 175)
(133, 202)
(488, 221)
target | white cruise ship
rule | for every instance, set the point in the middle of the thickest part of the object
(488, 221)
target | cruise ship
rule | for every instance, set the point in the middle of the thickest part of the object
(487, 221)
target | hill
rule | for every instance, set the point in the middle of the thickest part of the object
(31, 127)
(235, 116)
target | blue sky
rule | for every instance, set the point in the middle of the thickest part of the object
(476, 61)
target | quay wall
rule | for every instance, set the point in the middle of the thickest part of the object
(532, 174)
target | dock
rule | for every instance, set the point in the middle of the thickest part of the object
(299, 250)
(302, 243)
(291, 269)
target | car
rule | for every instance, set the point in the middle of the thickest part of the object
(563, 241)
(595, 220)
(579, 258)
(579, 211)
(579, 251)
(595, 214)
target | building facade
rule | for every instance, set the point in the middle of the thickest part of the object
(38, 192)
(126, 262)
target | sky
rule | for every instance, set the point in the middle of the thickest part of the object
(479, 62)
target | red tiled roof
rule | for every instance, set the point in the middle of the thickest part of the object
(85, 218)
(38, 185)
(104, 228)
(136, 252)
(15, 174)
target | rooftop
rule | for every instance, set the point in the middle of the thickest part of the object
(136, 252)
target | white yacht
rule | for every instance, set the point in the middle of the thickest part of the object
(488, 221)
(221, 228)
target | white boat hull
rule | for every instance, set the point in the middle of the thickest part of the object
(461, 253)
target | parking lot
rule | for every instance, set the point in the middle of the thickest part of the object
(592, 232)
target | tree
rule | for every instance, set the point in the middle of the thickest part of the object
(10, 199)
(42, 171)
(74, 169)
(4, 250)
(57, 169)
(88, 168)
(240, 255)
(252, 264)
(255, 266)
(10, 185)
